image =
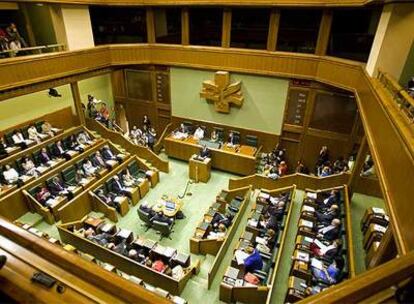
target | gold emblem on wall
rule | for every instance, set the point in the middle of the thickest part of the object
(222, 93)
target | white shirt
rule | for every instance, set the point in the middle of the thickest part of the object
(11, 175)
(199, 133)
(18, 138)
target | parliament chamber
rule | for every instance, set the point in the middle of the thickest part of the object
(191, 151)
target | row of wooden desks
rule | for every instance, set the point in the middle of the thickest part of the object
(239, 159)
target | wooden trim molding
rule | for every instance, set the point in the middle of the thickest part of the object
(324, 32)
(150, 25)
(273, 30)
(226, 29)
(185, 26)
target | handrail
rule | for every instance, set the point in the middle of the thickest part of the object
(399, 95)
(12, 53)
(159, 144)
(368, 283)
(118, 139)
(74, 264)
(302, 181)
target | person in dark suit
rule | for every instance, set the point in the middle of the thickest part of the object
(277, 211)
(3, 152)
(60, 151)
(108, 199)
(98, 161)
(232, 139)
(160, 217)
(147, 209)
(118, 187)
(326, 217)
(107, 153)
(56, 187)
(44, 157)
(219, 218)
(331, 232)
(333, 198)
(205, 152)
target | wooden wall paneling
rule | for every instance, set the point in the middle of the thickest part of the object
(324, 32)
(226, 28)
(386, 250)
(273, 30)
(292, 147)
(150, 25)
(359, 162)
(80, 112)
(118, 83)
(185, 26)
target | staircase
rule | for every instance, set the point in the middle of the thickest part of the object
(144, 154)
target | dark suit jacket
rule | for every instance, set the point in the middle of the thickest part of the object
(117, 188)
(161, 218)
(205, 153)
(326, 217)
(331, 234)
(56, 188)
(44, 158)
(106, 155)
(272, 223)
(56, 151)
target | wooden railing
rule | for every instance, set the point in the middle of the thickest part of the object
(33, 50)
(110, 282)
(159, 144)
(399, 95)
(118, 139)
(302, 181)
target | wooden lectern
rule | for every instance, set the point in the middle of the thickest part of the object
(199, 169)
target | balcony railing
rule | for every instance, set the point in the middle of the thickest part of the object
(400, 96)
(33, 50)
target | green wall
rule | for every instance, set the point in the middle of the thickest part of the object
(100, 87)
(408, 70)
(23, 108)
(42, 25)
(262, 110)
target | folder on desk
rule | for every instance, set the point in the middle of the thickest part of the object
(240, 256)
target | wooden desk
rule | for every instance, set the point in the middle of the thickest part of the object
(199, 170)
(162, 206)
(143, 188)
(134, 192)
(7, 189)
(59, 202)
(122, 201)
(226, 159)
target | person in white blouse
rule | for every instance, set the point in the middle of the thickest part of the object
(10, 174)
(199, 133)
(88, 168)
(34, 135)
(19, 139)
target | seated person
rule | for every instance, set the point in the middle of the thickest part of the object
(34, 135)
(121, 248)
(19, 140)
(135, 255)
(278, 210)
(44, 197)
(108, 199)
(45, 158)
(326, 216)
(3, 151)
(214, 136)
(29, 167)
(329, 275)
(270, 238)
(128, 180)
(270, 222)
(331, 232)
(80, 177)
(301, 168)
(327, 251)
(160, 217)
(89, 169)
(83, 139)
(326, 171)
(136, 132)
(181, 132)
(217, 233)
(72, 144)
(47, 129)
(231, 141)
(219, 218)
(199, 133)
(107, 154)
(10, 174)
(159, 266)
(146, 208)
(60, 151)
(253, 261)
(57, 188)
(205, 152)
(98, 161)
(333, 198)
(119, 188)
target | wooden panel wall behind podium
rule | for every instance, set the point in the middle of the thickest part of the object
(143, 90)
